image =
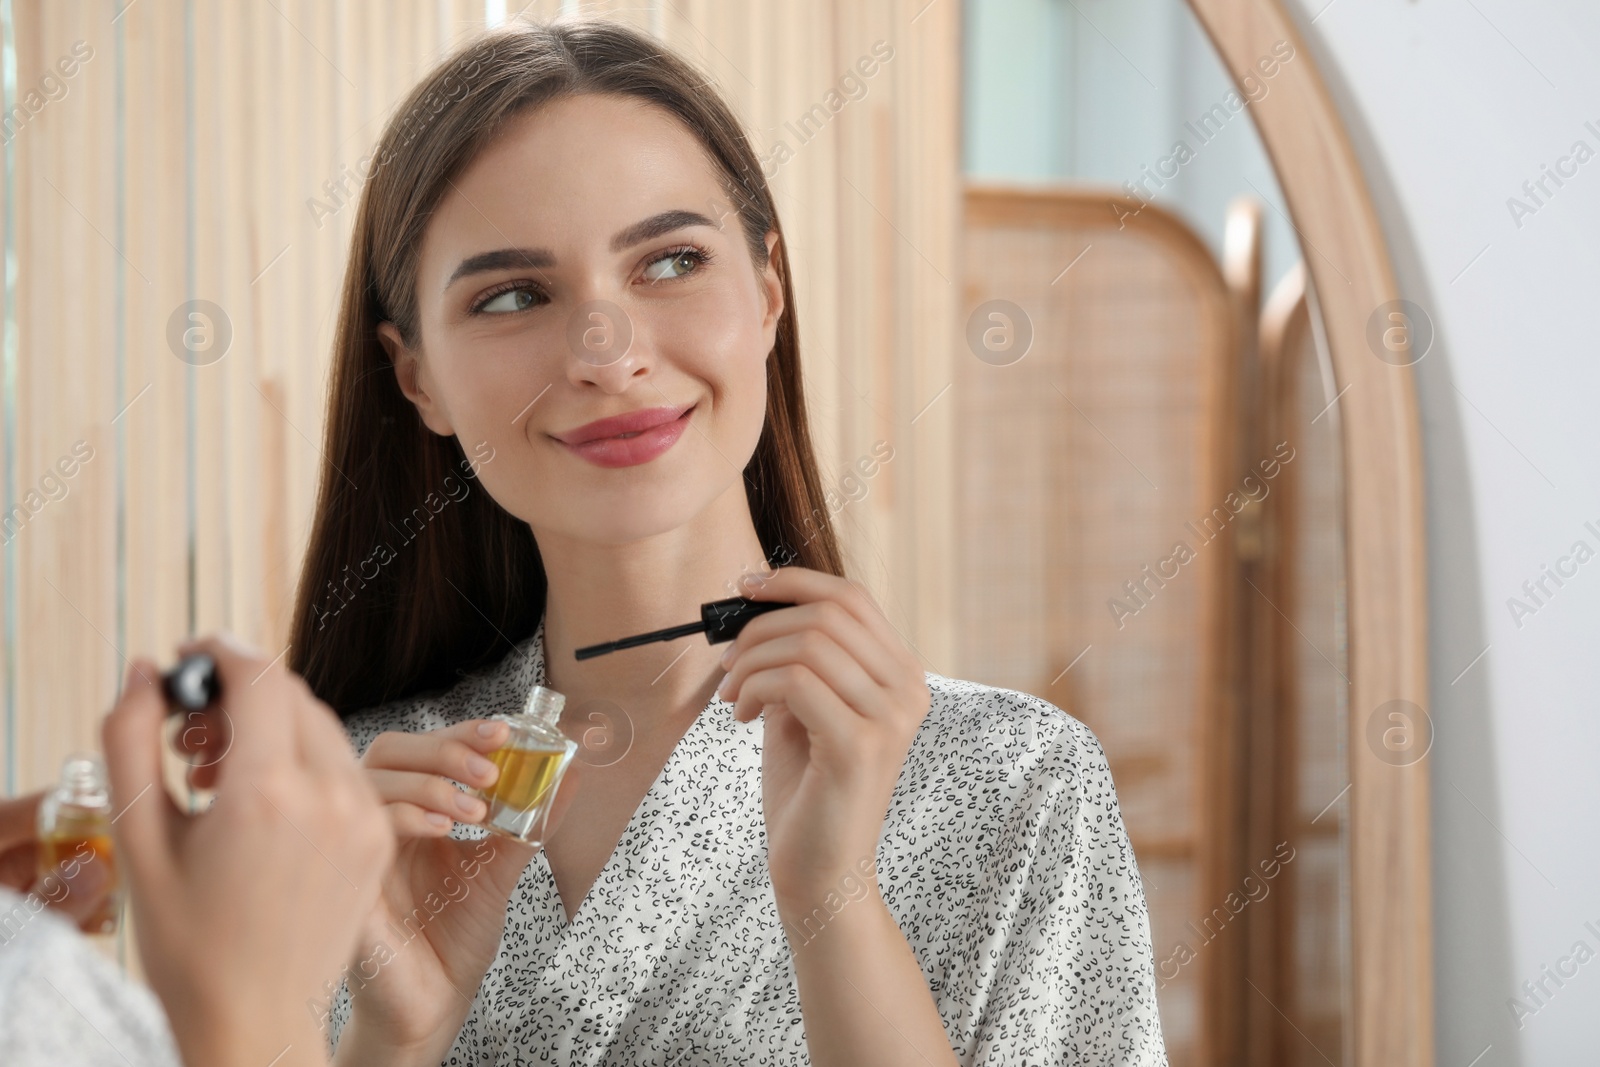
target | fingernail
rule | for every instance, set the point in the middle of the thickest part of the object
(487, 729)
(721, 684)
(727, 656)
(477, 766)
(468, 805)
(443, 822)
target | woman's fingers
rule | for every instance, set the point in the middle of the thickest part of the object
(833, 725)
(409, 820)
(821, 656)
(19, 865)
(827, 617)
(457, 751)
(802, 586)
(428, 792)
(410, 773)
(79, 887)
(130, 735)
(19, 820)
(202, 738)
(254, 686)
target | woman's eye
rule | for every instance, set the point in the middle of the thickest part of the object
(674, 264)
(510, 300)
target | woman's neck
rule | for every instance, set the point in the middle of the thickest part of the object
(600, 592)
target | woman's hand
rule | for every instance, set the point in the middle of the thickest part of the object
(437, 927)
(77, 890)
(245, 911)
(843, 698)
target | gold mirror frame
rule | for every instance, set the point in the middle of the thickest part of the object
(1391, 950)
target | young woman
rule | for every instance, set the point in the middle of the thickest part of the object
(566, 407)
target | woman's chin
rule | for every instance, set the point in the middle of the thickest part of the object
(629, 522)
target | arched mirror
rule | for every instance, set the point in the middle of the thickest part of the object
(1108, 373)
(1173, 529)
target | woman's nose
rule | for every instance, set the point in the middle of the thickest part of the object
(603, 346)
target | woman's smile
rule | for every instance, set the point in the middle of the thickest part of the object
(629, 447)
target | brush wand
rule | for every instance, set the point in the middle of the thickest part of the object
(720, 620)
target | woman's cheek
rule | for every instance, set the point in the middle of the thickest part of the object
(733, 369)
(749, 400)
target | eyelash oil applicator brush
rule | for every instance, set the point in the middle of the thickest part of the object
(720, 620)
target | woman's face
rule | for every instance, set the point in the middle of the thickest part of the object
(587, 265)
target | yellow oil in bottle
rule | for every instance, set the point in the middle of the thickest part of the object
(532, 763)
(520, 798)
(525, 775)
(74, 842)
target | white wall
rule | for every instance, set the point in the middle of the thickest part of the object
(1454, 105)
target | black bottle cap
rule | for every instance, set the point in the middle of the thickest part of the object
(725, 618)
(193, 684)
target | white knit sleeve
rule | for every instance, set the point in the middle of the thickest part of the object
(61, 1002)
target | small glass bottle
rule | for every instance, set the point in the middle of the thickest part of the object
(532, 763)
(75, 829)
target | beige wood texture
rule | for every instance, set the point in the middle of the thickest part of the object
(1391, 939)
(1087, 462)
(1308, 921)
(1239, 1024)
(176, 162)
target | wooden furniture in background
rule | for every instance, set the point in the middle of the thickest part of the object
(1229, 1005)
(1087, 462)
(1303, 647)
(1391, 961)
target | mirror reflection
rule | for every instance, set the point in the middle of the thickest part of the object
(1150, 531)
(987, 687)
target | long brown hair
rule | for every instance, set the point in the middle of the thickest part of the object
(472, 581)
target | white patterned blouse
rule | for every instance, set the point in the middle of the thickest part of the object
(1003, 857)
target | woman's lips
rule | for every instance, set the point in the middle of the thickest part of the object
(628, 450)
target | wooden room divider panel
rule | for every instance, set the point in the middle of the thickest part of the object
(1300, 769)
(1096, 538)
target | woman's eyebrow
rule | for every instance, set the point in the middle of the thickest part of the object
(501, 259)
(639, 232)
(655, 226)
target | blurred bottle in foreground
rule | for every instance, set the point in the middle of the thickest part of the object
(75, 839)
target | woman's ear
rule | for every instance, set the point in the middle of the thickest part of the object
(772, 287)
(415, 382)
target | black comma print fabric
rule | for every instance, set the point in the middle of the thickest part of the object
(1003, 858)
